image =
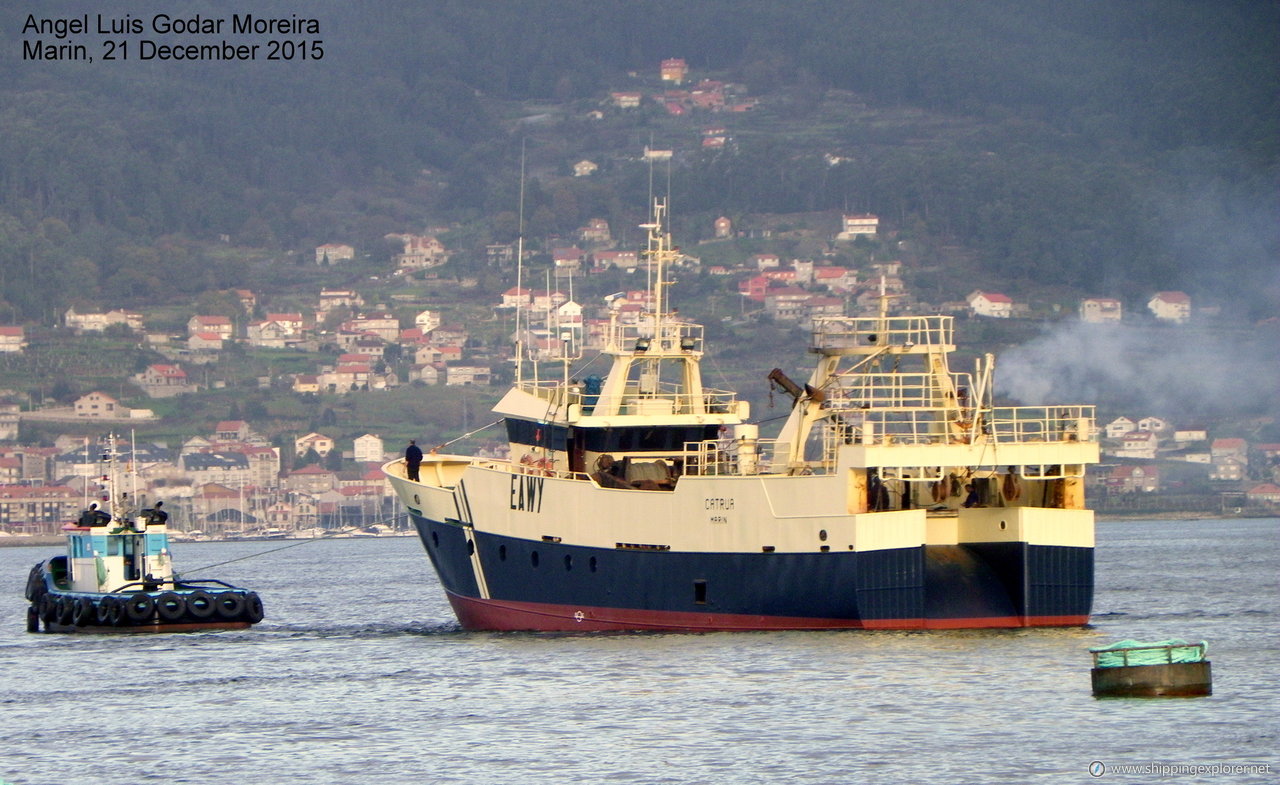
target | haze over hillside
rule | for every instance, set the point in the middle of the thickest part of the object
(1113, 148)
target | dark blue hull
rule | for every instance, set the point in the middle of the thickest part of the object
(184, 607)
(554, 586)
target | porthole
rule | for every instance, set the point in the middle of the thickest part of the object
(1002, 525)
(533, 558)
(822, 535)
(471, 547)
(417, 500)
(502, 553)
(435, 539)
(591, 564)
(568, 562)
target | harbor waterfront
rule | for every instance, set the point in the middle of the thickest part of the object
(360, 674)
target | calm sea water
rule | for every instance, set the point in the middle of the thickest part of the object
(360, 675)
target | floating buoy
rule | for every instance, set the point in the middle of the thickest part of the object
(1172, 669)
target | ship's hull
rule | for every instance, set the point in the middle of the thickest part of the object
(497, 582)
(208, 605)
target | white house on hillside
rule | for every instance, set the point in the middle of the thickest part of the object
(322, 444)
(1100, 310)
(427, 321)
(13, 339)
(1171, 307)
(991, 304)
(853, 226)
(369, 449)
(1119, 427)
(332, 253)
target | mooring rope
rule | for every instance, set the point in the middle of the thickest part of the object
(465, 435)
(273, 550)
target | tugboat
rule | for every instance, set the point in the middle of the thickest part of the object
(117, 576)
(897, 495)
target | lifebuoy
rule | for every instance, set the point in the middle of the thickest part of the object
(85, 611)
(253, 607)
(200, 604)
(140, 608)
(170, 606)
(230, 604)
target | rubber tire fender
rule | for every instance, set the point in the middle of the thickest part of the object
(35, 583)
(48, 608)
(200, 605)
(230, 605)
(85, 612)
(117, 613)
(253, 610)
(170, 606)
(66, 610)
(104, 609)
(139, 608)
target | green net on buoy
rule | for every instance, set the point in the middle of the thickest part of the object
(1130, 652)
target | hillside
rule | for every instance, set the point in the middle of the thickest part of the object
(1110, 148)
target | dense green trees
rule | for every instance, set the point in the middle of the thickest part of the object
(1106, 146)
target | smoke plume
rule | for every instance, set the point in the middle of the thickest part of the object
(1175, 372)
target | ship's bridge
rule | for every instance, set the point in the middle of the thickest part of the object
(655, 373)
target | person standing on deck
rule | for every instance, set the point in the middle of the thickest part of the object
(412, 459)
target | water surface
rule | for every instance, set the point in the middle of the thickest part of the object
(359, 674)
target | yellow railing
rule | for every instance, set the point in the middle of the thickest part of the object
(665, 398)
(892, 390)
(870, 333)
(943, 425)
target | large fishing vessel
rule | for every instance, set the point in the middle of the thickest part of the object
(896, 496)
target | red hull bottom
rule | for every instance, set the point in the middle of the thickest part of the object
(479, 614)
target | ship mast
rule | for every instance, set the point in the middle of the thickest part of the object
(520, 275)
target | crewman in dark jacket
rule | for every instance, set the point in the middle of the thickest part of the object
(412, 460)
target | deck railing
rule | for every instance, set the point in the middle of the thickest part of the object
(664, 398)
(872, 332)
(892, 390)
(674, 336)
(946, 425)
(729, 457)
